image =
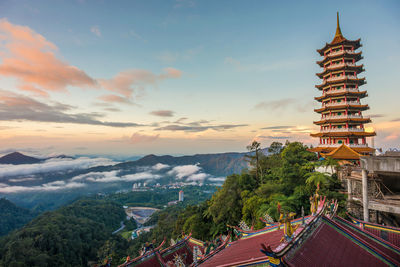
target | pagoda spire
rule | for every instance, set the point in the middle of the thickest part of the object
(338, 35)
(338, 31)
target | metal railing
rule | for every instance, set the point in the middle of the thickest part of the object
(334, 66)
(350, 145)
(341, 77)
(340, 52)
(343, 117)
(340, 130)
(341, 103)
(343, 90)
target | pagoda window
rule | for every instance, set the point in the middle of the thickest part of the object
(339, 113)
(339, 101)
(340, 142)
(351, 141)
(340, 126)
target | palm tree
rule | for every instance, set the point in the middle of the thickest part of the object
(315, 178)
(255, 147)
(331, 162)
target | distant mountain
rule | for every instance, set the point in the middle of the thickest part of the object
(12, 217)
(221, 164)
(18, 158)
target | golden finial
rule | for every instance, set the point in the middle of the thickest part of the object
(338, 31)
(338, 36)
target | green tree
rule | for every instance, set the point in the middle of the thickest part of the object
(275, 147)
(254, 147)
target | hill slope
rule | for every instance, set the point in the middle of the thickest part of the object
(12, 217)
(70, 236)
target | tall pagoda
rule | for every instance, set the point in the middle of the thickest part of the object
(342, 134)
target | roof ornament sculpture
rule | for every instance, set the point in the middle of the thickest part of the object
(314, 201)
(267, 219)
(285, 219)
(243, 225)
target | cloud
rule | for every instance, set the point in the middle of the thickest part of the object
(275, 104)
(136, 35)
(162, 113)
(377, 115)
(126, 82)
(18, 107)
(94, 175)
(217, 179)
(112, 176)
(184, 171)
(96, 30)
(140, 176)
(29, 58)
(53, 186)
(273, 137)
(185, 128)
(115, 99)
(112, 109)
(142, 138)
(276, 127)
(160, 166)
(26, 179)
(181, 120)
(283, 104)
(198, 177)
(53, 165)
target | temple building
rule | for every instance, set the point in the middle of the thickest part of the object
(319, 239)
(342, 134)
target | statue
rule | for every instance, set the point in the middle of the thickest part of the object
(314, 201)
(285, 219)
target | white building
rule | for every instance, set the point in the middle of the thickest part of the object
(180, 195)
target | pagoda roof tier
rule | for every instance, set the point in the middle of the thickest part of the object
(336, 119)
(343, 152)
(343, 132)
(354, 43)
(339, 40)
(328, 148)
(341, 66)
(340, 54)
(342, 92)
(335, 106)
(342, 79)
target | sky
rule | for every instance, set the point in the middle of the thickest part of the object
(182, 76)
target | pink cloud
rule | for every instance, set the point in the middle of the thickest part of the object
(29, 57)
(143, 138)
(115, 99)
(126, 82)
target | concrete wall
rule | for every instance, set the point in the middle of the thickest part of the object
(381, 164)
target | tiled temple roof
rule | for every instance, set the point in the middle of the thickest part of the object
(387, 233)
(333, 244)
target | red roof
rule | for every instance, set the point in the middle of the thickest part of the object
(387, 233)
(375, 241)
(336, 245)
(245, 249)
